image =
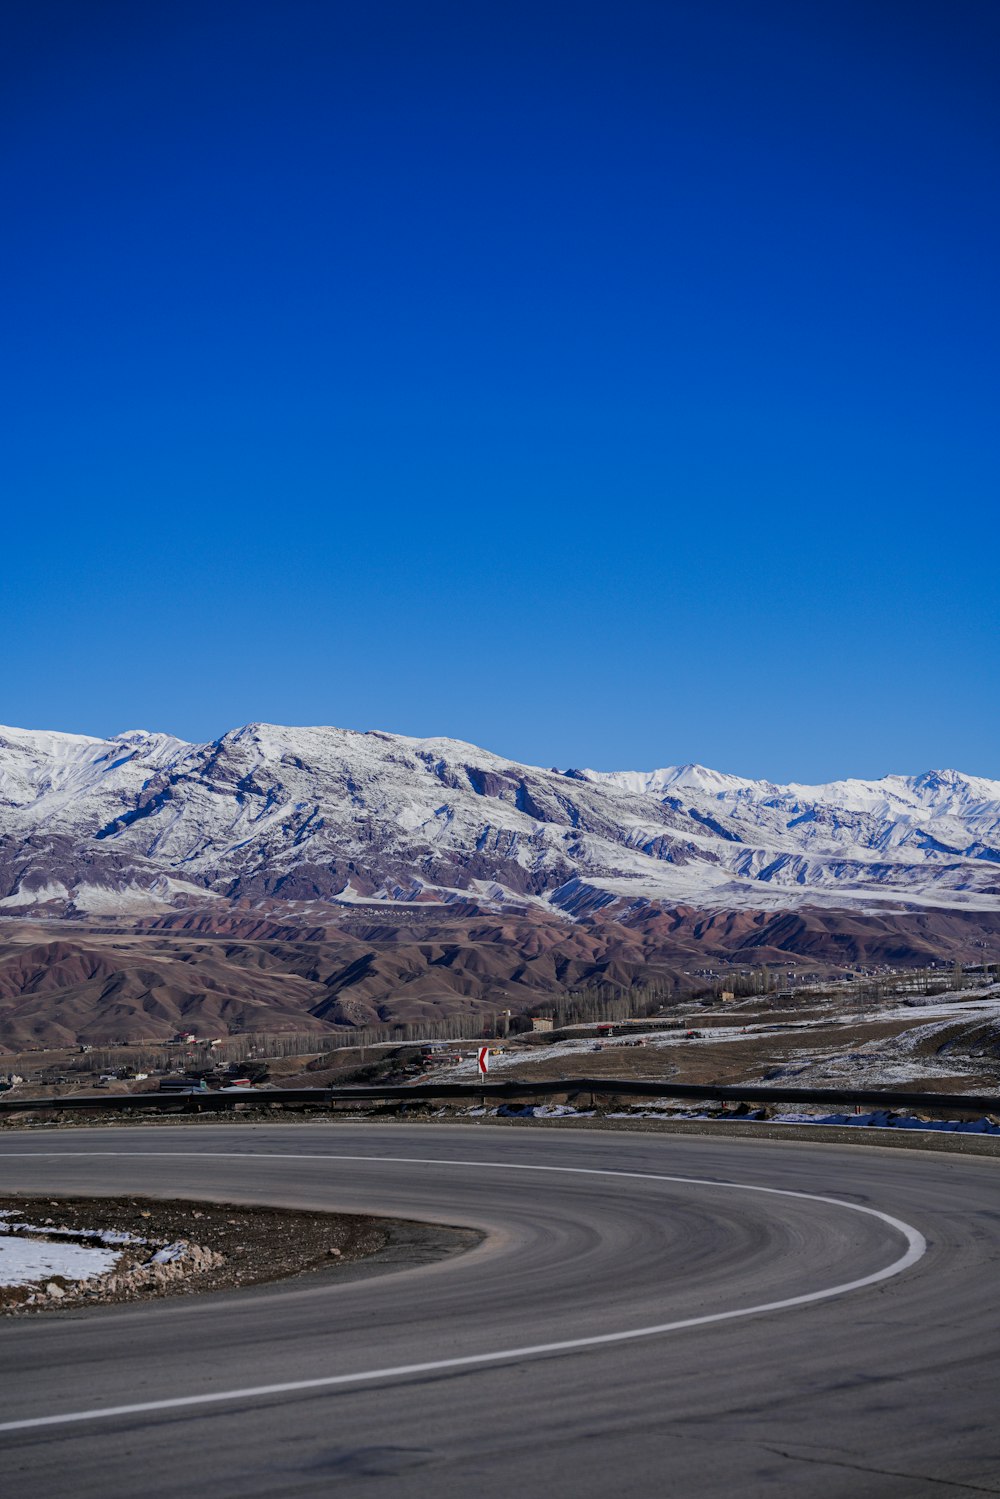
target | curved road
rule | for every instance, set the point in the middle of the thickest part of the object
(647, 1315)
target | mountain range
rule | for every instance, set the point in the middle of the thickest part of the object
(145, 822)
(308, 878)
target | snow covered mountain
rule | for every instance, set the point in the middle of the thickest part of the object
(144, 822)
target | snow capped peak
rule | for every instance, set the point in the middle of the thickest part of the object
(670, 778)
(308, 813)
(931, 788)
(950, 782)
(46, 741)
(139, 736)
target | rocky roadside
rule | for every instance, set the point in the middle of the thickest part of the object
(179, 1248)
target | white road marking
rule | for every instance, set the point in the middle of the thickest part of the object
(916, 1248)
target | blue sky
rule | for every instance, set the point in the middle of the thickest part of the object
(605, 384)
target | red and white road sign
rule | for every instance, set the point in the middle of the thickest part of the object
(484, 1060)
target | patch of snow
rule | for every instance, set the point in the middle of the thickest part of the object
(24, 1261)
(882, 1119)
(10, 1224)
(170, 1252)
(22, 897)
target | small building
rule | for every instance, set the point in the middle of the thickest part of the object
(727, 994)
(183, 1085)
(542, 1022)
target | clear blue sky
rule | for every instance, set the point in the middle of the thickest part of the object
(608, 384)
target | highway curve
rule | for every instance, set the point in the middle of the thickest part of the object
(642, 1258)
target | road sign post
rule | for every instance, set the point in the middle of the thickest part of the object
(483, 1063)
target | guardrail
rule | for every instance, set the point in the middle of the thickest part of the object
(512, 1088)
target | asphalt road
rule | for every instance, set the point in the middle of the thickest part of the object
(646, 1255)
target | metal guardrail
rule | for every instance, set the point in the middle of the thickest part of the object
(512, 1088)
(664, 1088)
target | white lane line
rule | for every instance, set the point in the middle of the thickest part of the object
(916, 1248)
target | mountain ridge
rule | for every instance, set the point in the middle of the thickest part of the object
(145, 821)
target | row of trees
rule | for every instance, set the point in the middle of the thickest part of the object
(605, 1002)
(745, 982)
(926, 982)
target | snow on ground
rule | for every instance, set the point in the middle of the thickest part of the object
(895, 1059)
(665, 1111)
(32, 1252)
(516, 1056)
(53, 890)
(882, 1119)
(467, 1069)
(107, 1236)
(891, 1059)
(23, 1262)
(981, 1003)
